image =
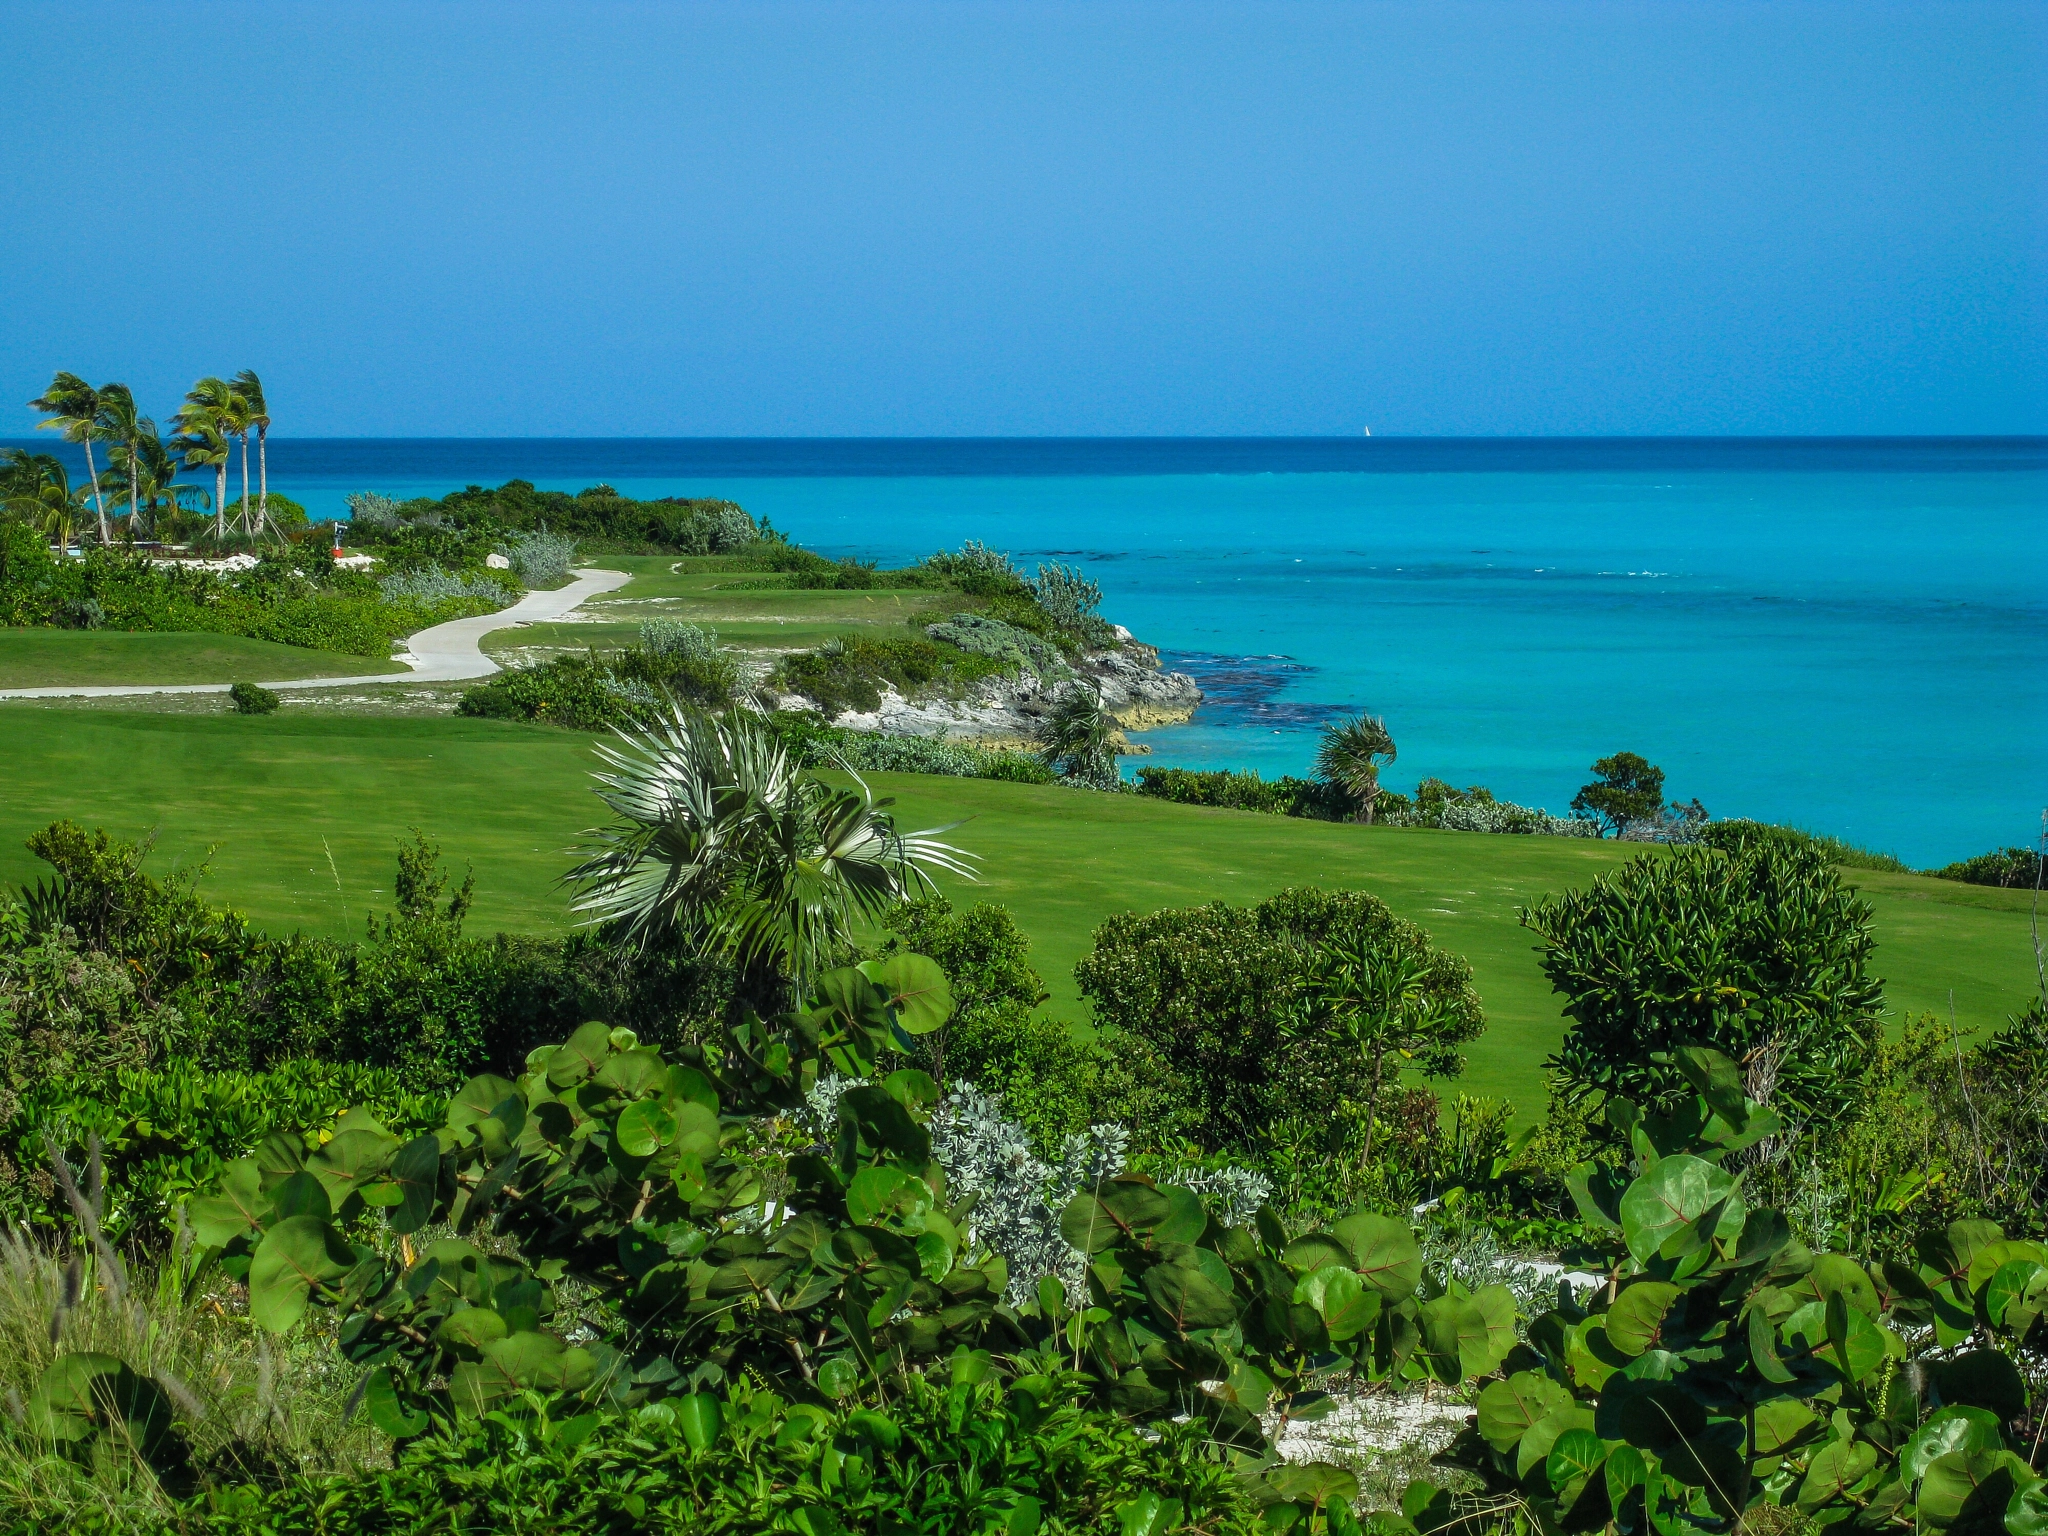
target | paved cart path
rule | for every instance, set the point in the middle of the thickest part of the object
(446, 653)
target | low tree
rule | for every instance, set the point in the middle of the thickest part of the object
(1351, 755)
(1384, 1006)
(1629, 788)
(1762, 955)
(1298, 1008)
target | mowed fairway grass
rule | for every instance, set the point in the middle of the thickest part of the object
(301, 814)
(47, 658)
(776, 619)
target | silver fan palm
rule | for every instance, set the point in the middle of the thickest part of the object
(722, 840)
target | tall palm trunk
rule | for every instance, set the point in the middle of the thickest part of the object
(263, 475)
(99, 505)
(220, 502)
(245, 483)
(134, 467)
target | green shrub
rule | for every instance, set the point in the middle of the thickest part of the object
(596, 692)
(1762, 955)
(980, 635)
(823, 746)
(597, 517)
(1233, 999)
(966, 1457)
(252, 700)
(1737, 834)
(1246, 791)
(162, 1133)
(849, 675)
(2010, 868)
(286, 598)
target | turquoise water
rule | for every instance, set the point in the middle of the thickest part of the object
(1851, 637)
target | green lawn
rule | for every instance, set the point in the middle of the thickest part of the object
(274, 797)
(771, 619)
(47, 658)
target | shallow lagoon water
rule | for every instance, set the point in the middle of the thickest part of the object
(1848, 636)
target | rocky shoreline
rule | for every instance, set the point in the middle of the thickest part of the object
(1136, 692)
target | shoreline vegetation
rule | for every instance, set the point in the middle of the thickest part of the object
(770, 1186)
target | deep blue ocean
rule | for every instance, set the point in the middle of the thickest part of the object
(1847, 635)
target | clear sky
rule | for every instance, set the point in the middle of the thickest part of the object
(501, 219)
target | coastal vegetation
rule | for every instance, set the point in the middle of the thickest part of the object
(506, 1257)
(1043, 1170)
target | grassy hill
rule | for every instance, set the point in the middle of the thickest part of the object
(47, 658)
(299, 815)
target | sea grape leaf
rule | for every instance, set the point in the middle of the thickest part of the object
(239, 1207)
(917, 988)
(294, 1256)
(416, 1170)
(645, 1127)
(1510, 1409)
(1638, 1313)
(1959, 1483)
(1384, 1251)
(1340, 1299)
(380, 1396)
(1782, 1422)
(1950, 1429)
(1186, 1299)
(1672, 1196)
(575, 1060)
(1982, 1378)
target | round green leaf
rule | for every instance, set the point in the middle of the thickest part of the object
(1384, 1251)
(645, 1127)
(1186, 1299)
(1341, 1300)
(380, 1396)
(1833, 1470)
(416, 1170)
(1672, 1196)
(1970, 1482)
(1637, 1316)
(294, 1256)
(1574, 1457)
(873, 1193)
(1509, 1409)
(1950, 1429)
(917, 988)
(1781, 1423)
(839, 1377)
(2026, 1514)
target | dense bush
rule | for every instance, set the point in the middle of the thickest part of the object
(849, 675)
(1437, 804)
(2011, 868)
(981, 635)
(966, 1457)
(599, 691)
(819, 745)
(249, 699)
(1054, 1080)
(288, 599)
(1245, 791)
(1736, 834)
(597, 517)
(1762, 955)
(1269, 1014)
(541, 558)
(163, 1133)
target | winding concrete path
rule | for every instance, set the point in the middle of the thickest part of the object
(446, 653)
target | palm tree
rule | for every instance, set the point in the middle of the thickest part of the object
(34, 486)
(721, 840)
(73, 407)
(250, 388)
(1077, 737)
(155, 468)
(203, 442)
(228, 410)
(1351, 756)
(119, 425)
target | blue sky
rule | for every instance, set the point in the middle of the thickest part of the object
(963, 218)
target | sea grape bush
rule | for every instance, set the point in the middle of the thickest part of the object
(1724, 1368)
(980, 635)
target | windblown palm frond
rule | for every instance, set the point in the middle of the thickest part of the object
(720, 839)
(1077, 737)
(1351, 755)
